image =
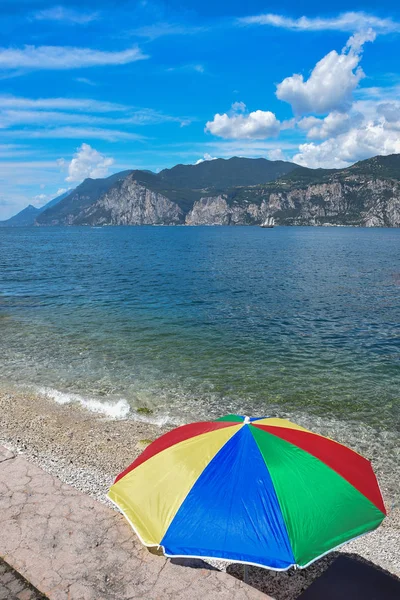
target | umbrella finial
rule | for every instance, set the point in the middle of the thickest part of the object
(246, 420)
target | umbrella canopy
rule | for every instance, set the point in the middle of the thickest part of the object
(259, 491)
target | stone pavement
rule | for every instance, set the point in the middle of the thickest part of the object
(14, 587)
(71, 547)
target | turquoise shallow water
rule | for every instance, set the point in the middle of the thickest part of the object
(190, 322)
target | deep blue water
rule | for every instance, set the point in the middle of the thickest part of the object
(199, 321)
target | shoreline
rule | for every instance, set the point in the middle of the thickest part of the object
(87, 450)
(72, 442)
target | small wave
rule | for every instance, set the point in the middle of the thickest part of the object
(114, 410)
(118, 409)
(160, 420)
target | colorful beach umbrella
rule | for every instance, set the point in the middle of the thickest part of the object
(261, 491)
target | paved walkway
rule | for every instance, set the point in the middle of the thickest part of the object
(71, 547)
(14, 587)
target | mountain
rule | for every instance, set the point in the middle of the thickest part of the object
(182, 185)
(129, 202)
(64, 212)
(24, 218)
(27, 216)
(238, 191)
(54, 201)
(221, 174)
(380, 167)
(367, 194)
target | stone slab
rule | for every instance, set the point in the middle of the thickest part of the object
(71, 547)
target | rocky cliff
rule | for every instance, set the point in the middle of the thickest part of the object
(217, 210)
(130, 203)
(355, 200)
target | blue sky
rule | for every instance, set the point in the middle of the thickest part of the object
(88, 89)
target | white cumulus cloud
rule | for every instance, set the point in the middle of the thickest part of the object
(331, 83)
(390, 111)
(205, 158)
(238, 107)
(356, 144)
(64, 57)
(87, 162)
(276, 154)
(332, 125)
(370, 128)
(243, 125)
(40, 200)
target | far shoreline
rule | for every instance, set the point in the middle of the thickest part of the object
(188, 225)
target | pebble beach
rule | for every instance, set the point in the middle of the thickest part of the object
(87, 450)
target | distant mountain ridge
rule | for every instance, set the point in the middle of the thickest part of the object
(224, 173)
(183, 185)
(27, 216)
(237, 191)
(24, 218)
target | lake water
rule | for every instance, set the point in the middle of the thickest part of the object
(192, 323)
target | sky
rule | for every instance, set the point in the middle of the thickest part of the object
(91, 88)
